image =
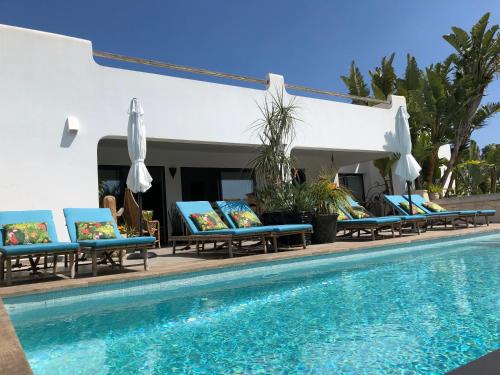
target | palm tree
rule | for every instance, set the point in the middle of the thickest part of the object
(476, 63)
(356, 84)
(491, 154)
(384, 79)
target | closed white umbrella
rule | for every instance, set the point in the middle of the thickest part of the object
(138, 179)
(406, 167)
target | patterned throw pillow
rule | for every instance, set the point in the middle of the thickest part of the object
(358, 212)
(208, 221)
(26, 233)
(90, 230)
(341, 215)
(415, 210)
(245, 219)
(433, 207)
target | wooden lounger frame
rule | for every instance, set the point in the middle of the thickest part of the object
(229, 238)
(107, 253)
(370, 228)
(34, 258)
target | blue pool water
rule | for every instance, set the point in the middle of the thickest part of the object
(425, 308)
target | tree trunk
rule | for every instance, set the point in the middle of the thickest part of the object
(493, 183)
(450, 185)
(429, 179)
(463, 134)
(391, 183)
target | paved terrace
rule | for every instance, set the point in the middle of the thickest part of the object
(166, 263)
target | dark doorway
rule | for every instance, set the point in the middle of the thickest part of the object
(355, 183)
(112, 181)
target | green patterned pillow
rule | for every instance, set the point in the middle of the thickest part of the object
(358, 212)
(26, 233)
(433, 207)
(90, 230)
(415, 210)
(245, 219)
(341, 215)
(208, 221)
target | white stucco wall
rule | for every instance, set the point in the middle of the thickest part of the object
(46, 78)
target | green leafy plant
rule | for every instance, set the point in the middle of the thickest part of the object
(327, 196)
(273, 164)
(434, 188)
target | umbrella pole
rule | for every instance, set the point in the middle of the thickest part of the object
(139, 200)
(408, 186)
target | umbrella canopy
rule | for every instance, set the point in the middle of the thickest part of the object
(406, 167)
(138, 179)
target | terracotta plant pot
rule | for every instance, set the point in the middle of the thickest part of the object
(433, 196)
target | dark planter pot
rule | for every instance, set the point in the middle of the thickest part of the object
(325, 228)
(280, 218)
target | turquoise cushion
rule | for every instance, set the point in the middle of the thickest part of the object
(411, 217)
(292, 227)
(487, 212)
(36, 216)
(250, 230)
(117, 242)
(371, 221)
(53, 247)
(74, 215)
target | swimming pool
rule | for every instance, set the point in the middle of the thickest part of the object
(423, 308)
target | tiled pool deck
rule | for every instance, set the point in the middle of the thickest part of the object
(166, 263)
(13, 360)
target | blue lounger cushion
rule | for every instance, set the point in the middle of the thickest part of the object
(49, 248)
(146, 240)
(292, 227)
(38, 216)
(419, 201)
(404, 217)
(74, 215)
(487, 212)
(411, 217)
(371, 221)
(188, 208)
(226, 207)
(395, 200)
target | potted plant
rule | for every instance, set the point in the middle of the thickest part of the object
(434, 191)
(328, 198)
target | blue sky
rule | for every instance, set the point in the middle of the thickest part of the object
(309, 42)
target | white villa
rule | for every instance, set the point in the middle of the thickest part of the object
(64, 130)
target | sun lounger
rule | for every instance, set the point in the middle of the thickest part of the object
(99, 247)
(276, 231)
(33, 252)
(372, 225)
(415, 221)
(465, 215)
(395, 202)
(226, 235)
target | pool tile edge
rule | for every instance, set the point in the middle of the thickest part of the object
(12, 357)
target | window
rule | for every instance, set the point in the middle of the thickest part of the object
(354, 182)
(236, 184)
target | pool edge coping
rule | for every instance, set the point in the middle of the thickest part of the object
(12, 356)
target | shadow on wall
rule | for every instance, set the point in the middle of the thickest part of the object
(68, 135)
(391, 142)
